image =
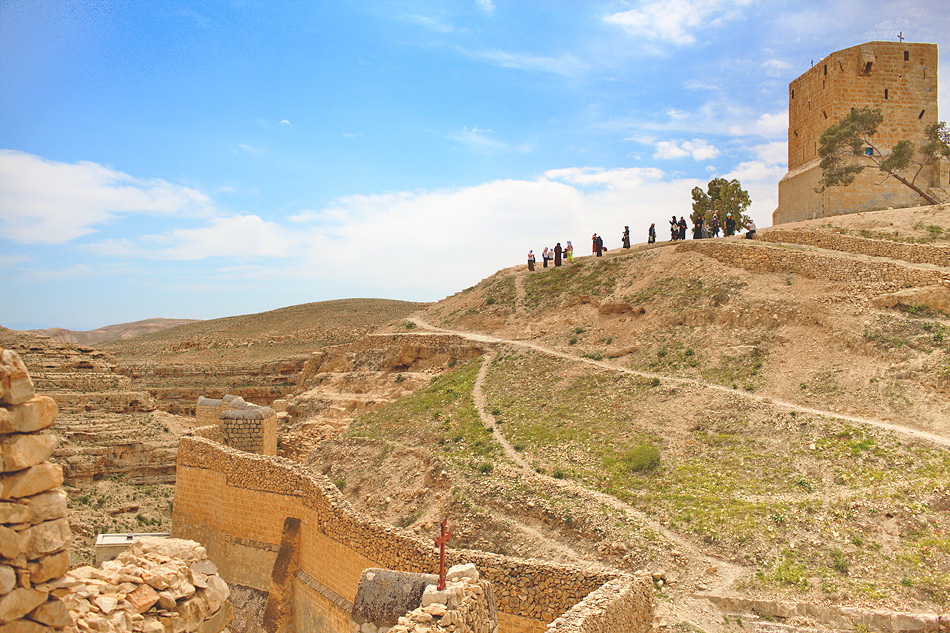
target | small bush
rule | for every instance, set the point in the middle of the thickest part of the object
(409, 325)
(485, 468)
(642, 458)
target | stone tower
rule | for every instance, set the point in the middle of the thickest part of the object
(900, 78)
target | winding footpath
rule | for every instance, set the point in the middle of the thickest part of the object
(933, 438)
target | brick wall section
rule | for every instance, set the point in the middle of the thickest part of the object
(34, 532)
(242, 425)
(235, 504)
(916, 253)
(902, 82)
(875, 277)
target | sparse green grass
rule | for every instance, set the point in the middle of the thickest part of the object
(554, 285)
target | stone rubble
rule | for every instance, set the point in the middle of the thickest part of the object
(466, 605)
(158, 585)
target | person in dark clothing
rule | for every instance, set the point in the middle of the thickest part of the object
(530, 260)
(626, 237)
(674, 229)
(714, 226)
(730, 226)
(598, 244)
(698, 230)
(682, 225)
(557, 254)
(651, 234)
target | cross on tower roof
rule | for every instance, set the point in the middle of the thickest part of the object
(900, 36)
(440, 543)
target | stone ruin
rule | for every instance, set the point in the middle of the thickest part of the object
(242, 425)
(158, 586)
(404, 602)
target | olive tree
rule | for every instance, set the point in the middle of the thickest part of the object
(843, 144)
(722, 198)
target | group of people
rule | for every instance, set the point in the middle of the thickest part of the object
(557, 255)
(701, 230)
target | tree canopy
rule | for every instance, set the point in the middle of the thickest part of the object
(722, 198)
(843, 144)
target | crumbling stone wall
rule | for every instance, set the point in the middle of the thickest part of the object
(876, 277)
(236, 503)
(34, 532)
(241, 425)
(916, 253)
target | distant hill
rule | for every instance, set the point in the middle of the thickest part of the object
(117, 332)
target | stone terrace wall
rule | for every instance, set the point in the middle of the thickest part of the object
(917, 253)
(879, 276)
(34, 532)
(235, 503)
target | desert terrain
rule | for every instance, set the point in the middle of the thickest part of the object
(765, 420)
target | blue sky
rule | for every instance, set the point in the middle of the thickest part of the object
(203, 159)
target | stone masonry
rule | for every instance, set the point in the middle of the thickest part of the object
(242, 425)
(34, 532)
(899, 78)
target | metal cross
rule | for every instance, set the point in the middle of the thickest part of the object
(440, 543)
(900, 36)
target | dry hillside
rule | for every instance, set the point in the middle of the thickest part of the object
(109, 333)
(762, 419)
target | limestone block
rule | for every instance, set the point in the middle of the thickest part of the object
(19, 602)
(51, 613)
(7, 579)
(188, 551)
(143, 598)
(204, 567)
(218, 620)
(46, 506)
(22, 451)
(218, 591)
(35, 414)
(14, 513)
(48, 567)
(46, 538)
(24, 626)
(15, 384)
(193, 611)
(467, 570)
(11, 543)
(33, 480)
(431, 595)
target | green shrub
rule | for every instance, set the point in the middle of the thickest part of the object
(642, 458)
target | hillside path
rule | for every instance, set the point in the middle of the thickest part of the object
(726, 573)
(933, 438)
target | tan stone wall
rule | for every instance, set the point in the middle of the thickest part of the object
(34, 532)
(875, 277)
(235, 504)
(902, 82)
(917, 253)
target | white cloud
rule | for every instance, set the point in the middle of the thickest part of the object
(675, 21)
(285, 122)
(244, 148)
(776, 67)
(699, 149)
(11, 260)
(767, 125)
(237, 237)
(430, 23)
(774, 153)
(485, 5)
(567, 65)
(481, 140)
(50, 202)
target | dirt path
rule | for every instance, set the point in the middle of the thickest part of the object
(934, 438)
(725, 573)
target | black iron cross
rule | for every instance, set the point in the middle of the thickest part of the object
(900, 36)
(440, 543)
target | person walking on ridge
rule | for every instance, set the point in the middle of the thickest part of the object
(530, 260)
(557, 255)
(626, 237)
(569, 251)
(651, 234)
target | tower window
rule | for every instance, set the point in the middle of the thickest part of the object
(795, 132)
(793, 93)
(885, 93)
(824, 114)
(921, 115)
(867, 68)
(826, 69)
(906, 56)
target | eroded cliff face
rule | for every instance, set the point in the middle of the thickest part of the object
(339, 383)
